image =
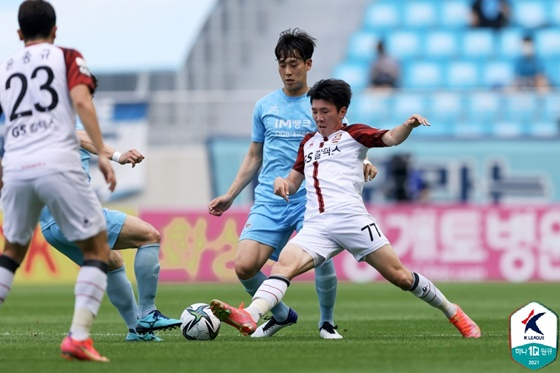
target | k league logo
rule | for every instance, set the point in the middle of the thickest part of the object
(533, 336)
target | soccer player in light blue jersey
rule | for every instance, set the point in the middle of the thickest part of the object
(123, 232)
(280, 121)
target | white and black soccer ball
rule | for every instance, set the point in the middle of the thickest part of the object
(199, 323)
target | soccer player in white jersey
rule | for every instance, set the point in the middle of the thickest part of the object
(123, 232)
(42, 88)
(280, 121)
(335, 216)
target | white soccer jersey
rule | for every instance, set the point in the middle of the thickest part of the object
(40, 134)
(333, 168)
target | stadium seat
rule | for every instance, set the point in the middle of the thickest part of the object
(551, 108)
(547, 43)
(372, 108)
(406, 104)
(478, 44)
(483, 107)
(420, 13)
(445, 111)
(509, 42)
(552, 71)
(462, 75)
(441, 43)
(382, 15)
(530, 14)
(404, 44)
(422, 75)
(354, 73)
(544, 129)
(555, 14)
(362, 46)
(455, 13)
(521, 107)
(498, 74)
(509, 129)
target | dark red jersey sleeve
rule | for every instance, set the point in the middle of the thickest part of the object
(367, 136)
(299, 165)
(77, 71)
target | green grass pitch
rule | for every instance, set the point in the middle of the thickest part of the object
(384, 329)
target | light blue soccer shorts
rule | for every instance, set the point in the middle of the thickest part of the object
(115, 221)
(273, 225)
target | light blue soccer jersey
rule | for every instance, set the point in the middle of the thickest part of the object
(46, 219)
(280, 122)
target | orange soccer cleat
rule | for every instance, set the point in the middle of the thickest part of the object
(465, 325)
(236, 317)
(80, 350)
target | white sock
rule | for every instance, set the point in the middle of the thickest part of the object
(268, 295)
(429, 293)
(6, 281)
(89, 290)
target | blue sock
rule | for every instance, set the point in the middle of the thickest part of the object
(325, 284)
(121, 295)
(280, 311)
(146, 268)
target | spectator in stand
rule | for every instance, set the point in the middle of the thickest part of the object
(490, 13)
(529, 70)
(385, 70)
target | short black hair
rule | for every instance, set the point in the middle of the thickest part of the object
(294, 43)
(36, 19)
(331, 90)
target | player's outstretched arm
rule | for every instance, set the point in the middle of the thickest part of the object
(247, 171)
(131, 156)
(285, 187)
(400, 133)
(83, 104)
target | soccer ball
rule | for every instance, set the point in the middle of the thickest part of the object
(199, 323)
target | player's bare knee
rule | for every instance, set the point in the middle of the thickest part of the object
(245, 271)
(115, 260)
(402, 279)
(151, 235)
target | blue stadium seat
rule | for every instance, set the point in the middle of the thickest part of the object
(544, 129)
(445, 111)
(521, 107)
(422, 75)
(406, 104)
(483, 107)
(478, 43)
(547, 42)
(362, 46)
(441, 43)
(371, 108)
(530, 14)
(462, 75)
(354, 73)
(420, 13)
(404, 44)
(555, 14)
(552, 70)
(382, 15)
(509, 42)
(498, 74)
(509, 129)
(455, 13)
(551, 108)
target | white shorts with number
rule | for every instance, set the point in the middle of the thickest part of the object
(68, 195)
(325, 235)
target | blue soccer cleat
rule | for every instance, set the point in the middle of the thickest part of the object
(155, 320)
(132, 336)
